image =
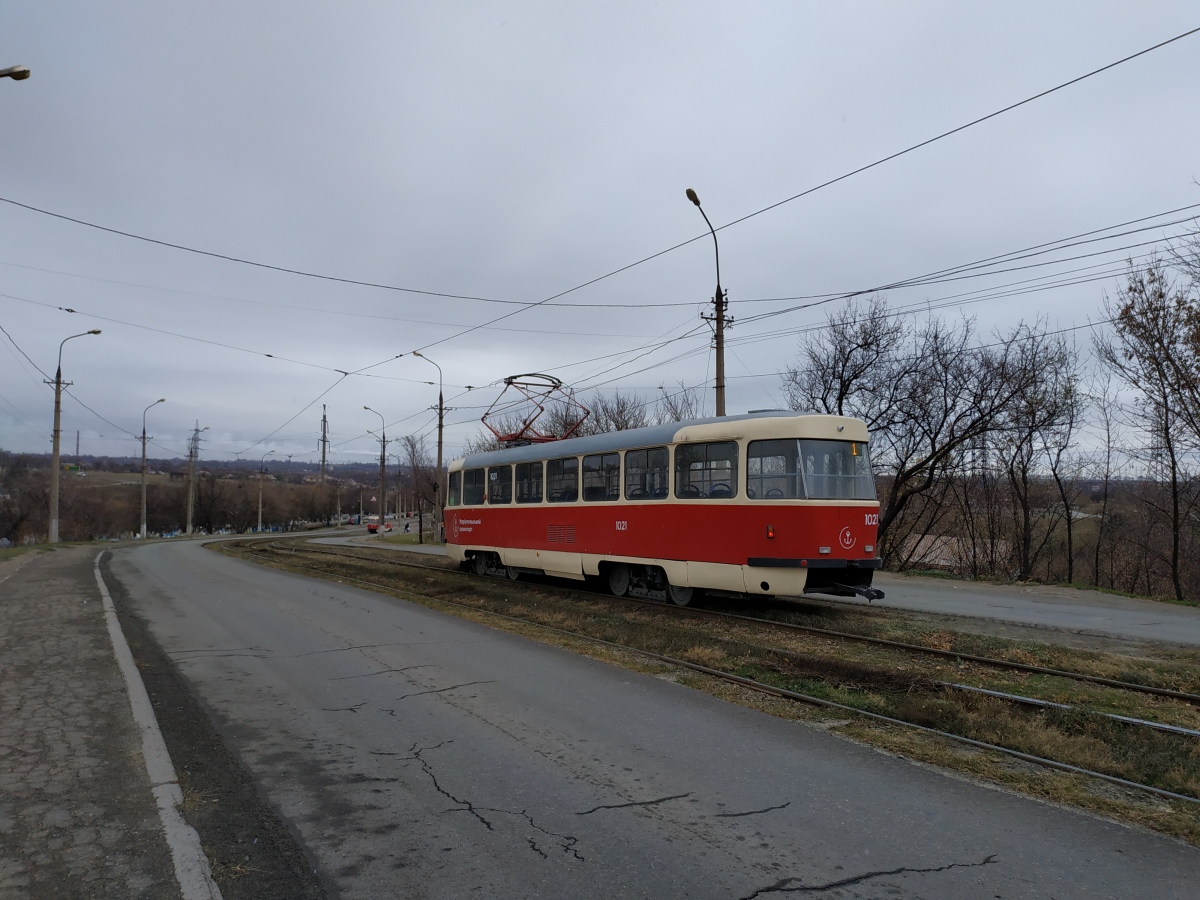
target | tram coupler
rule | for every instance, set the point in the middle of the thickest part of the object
(869, 592)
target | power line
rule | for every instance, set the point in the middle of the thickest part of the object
(23, 353)
(524, 305)
(924, 280)
(212, 343)
(341, 312)
(830, 182)
(249, 262)
(307, 406)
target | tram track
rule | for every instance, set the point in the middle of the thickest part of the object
(917, 649)
(754, 684)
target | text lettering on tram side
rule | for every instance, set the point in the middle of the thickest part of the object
(622, 525)
(872, 518)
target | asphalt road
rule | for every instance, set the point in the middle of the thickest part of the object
(1041, 606)
(419, 755)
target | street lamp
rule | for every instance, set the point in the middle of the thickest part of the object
(261, 464)
(718, 311)
(54, 463)
(441, 417)
(144, 411)
(382, 466)
(16, 73)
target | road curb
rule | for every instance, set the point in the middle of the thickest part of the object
(191, 865)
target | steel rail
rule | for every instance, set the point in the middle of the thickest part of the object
(1183, 696)
(772, 689)
(1050, 704)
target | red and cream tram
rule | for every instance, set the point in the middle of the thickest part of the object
(764, 503)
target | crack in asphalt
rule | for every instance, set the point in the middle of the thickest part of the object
(567, 842)
(638, 803)
(753, 812)
(785, 885)
(355, 708)
(384, 672)
(223, 650)
(344, 649)
(453, 687)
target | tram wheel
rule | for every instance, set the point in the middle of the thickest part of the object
(479, 564)
(618, 579)
(512, 573)
(681, 596)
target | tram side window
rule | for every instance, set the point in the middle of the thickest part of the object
(562, 480)
(773, 470)
(837, 470)
(500, 484)
(473, 487)
(647, 474)
(529, 482)
(706, 470)
(601, 476)
(454, 495)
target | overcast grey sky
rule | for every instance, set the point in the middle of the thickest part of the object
(512, 151)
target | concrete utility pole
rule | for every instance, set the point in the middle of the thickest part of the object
(441, 411)
(382, 506)
(261, 470)
(144, 411)
(55, 464)
(718, 317)
(193, 455)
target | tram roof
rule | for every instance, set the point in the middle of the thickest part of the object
(631, 439)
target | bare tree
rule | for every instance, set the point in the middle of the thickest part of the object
(615, 412)
(677, 406)
(1153, 350)
(1041, 406)
(420, 463)
(925, 392)
(1058, 441)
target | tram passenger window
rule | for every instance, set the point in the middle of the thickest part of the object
(473, 487)
(529, 482)
(837, 470)
(706, 470)
(601, 476)
(773, 470)
(562, 480)
(500, 484)
(647, 474)
(454, 495)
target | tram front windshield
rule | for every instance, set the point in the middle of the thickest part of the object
(809, 469)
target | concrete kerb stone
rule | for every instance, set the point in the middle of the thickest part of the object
(191, 865)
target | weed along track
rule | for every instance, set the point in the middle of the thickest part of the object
(1128, 747)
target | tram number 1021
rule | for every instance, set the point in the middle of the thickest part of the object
(871, 518)
(622, 525)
